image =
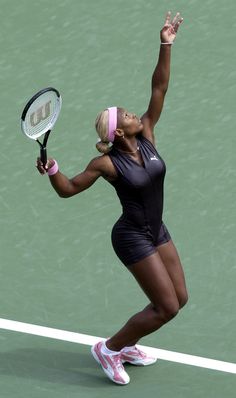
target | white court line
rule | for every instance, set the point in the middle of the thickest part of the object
(90, 340)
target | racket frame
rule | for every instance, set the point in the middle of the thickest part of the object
(46, 131)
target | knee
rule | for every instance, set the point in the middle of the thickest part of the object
(169, 311)
(183, 299)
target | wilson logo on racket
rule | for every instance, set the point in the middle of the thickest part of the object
(38, 120)
(40, 114)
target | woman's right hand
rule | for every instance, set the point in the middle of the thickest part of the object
(170, 28)
(43, 170)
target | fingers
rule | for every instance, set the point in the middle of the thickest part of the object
(167, 21)
(170, 29)
(177, 20)
(44, 169)
(39, 166)
(176, 27)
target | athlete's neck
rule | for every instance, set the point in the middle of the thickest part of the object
(130, 152)
(127, 146)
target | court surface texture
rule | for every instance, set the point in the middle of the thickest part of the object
(62, 286)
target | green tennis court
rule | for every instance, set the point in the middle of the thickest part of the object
(58, 268)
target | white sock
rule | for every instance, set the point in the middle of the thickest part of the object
(106, 350)
(128, 348)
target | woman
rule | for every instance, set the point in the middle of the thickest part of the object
(140, 239)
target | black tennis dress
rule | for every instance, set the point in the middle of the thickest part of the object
(140, 229)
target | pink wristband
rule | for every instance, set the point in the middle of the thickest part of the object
(54, 169)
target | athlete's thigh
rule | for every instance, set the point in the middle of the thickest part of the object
(152, 276)
(170, 258)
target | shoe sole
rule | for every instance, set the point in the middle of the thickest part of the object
(139, 363)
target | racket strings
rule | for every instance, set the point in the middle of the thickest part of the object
(41, 114)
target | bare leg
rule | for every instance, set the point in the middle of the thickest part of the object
(155, 281)
(171, 260)
(155, 315)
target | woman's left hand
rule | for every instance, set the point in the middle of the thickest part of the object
(170, 28)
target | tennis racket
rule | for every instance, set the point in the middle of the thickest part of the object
(39, 116)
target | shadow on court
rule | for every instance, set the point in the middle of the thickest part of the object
(57, 367)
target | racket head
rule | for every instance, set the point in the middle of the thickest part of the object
(41, 113)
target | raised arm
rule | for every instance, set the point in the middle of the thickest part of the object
(161, 76)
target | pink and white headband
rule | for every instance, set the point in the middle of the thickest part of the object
(112, 123)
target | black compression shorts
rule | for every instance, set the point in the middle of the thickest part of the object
(134, 244)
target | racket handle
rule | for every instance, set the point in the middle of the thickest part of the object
(43, 156)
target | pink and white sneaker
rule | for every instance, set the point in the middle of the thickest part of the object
(111, 364)
(136, 357)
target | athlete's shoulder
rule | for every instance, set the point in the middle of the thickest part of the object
(102, 164)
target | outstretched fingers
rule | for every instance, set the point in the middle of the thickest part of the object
(168, 17)
(177, 20)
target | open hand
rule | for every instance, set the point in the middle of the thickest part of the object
(170, 28)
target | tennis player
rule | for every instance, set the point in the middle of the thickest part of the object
(131, 164)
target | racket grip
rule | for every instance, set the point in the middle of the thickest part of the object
(43, 156)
